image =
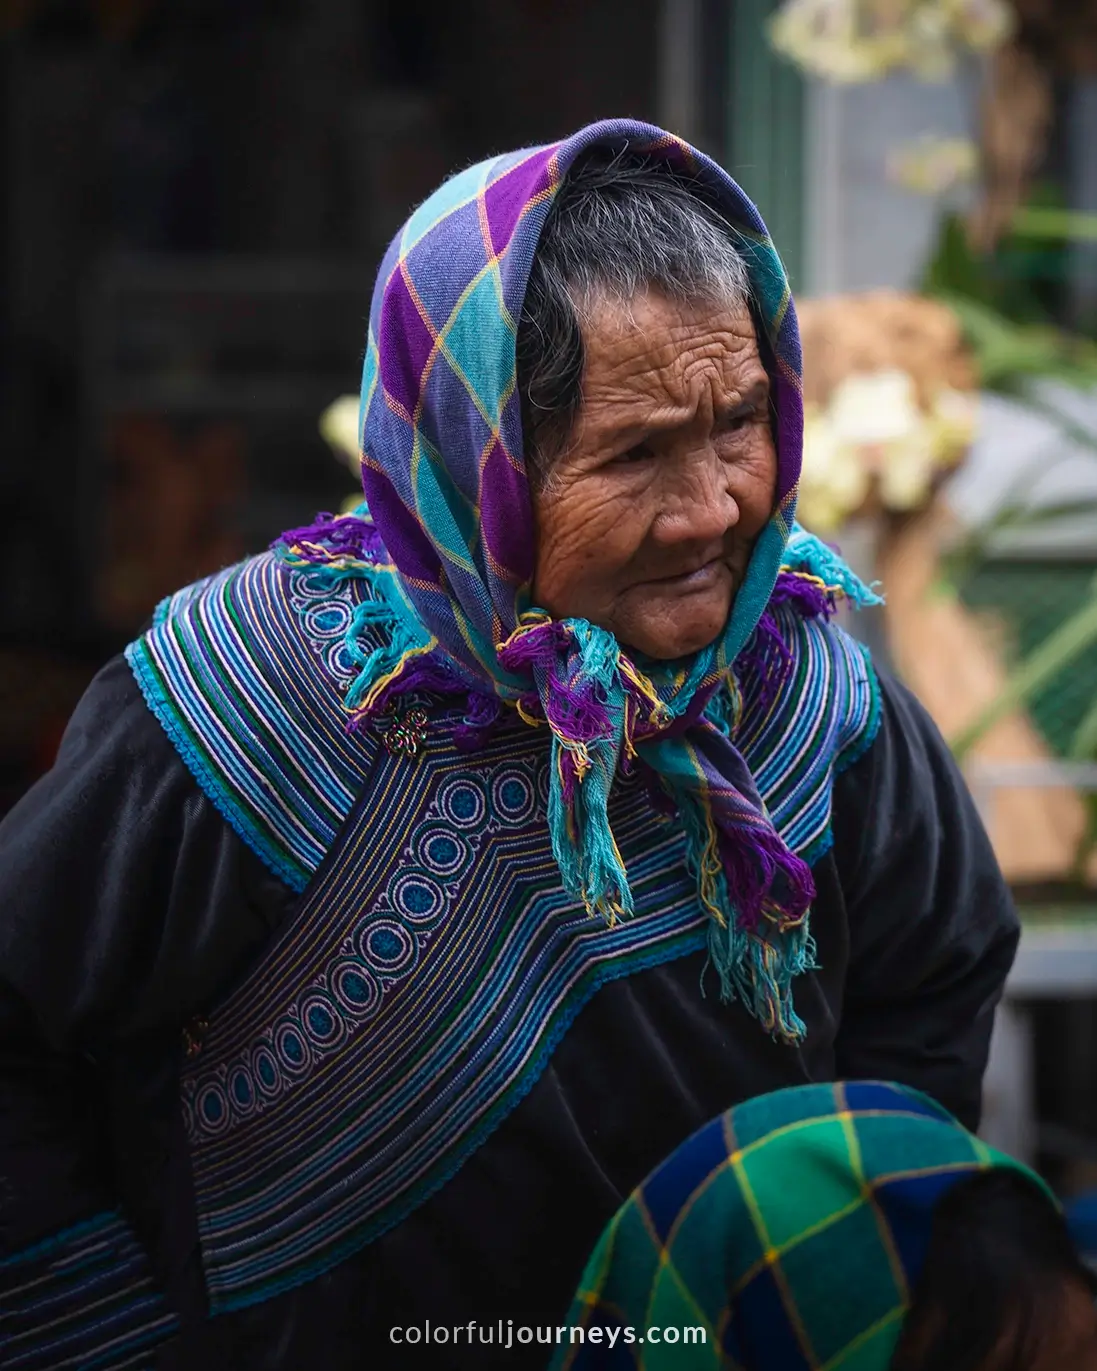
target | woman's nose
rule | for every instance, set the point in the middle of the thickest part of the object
(698, 503)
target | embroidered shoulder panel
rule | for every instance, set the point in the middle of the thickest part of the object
(406, 1008)
(246, 671)
(824, 717)
(431, 969)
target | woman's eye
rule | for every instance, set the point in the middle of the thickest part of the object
(733, 422)
(636, 454)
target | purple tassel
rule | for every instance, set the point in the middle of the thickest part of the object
(428, 674)
(334, 537)
(760, 870)
(805, 595)
(431, 676)
(537, 647)
(576, 714)
(764, 663)
(765, 660)
(482, 715)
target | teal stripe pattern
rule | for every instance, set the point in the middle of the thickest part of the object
(435, 959)
(248, 672)
(82, 1299)
(244, 671)
(416, 998)
(828, 716)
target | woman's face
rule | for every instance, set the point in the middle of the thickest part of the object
(646, 521)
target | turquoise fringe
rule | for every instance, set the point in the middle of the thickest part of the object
(582, 841)
(806, 552)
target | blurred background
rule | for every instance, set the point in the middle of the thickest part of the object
(197, 193)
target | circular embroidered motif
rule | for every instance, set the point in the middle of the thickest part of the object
(418, 897)
(355, 989)
(383, 947)
(463, 801)
(512, 795)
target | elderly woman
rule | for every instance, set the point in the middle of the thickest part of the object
(411, 890)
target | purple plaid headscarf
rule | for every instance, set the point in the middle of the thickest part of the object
(449, 546)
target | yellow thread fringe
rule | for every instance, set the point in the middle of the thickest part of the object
(379, 685)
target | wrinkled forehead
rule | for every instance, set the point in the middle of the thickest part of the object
(451, 287)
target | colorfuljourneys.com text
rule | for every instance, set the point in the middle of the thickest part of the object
(503, 1333)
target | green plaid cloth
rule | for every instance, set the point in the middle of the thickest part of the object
(784, 1236)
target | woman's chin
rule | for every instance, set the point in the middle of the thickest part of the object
(666, 641)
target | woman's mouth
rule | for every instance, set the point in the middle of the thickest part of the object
(704, 577)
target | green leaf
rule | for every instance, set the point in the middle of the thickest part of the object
(1080, 434)
(1059, 225)
(1015, 512)
(953, 269)
(1035, 515)
(1009, 354)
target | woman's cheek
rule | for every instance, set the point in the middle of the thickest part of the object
(600, 513)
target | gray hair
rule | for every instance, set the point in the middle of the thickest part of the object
(621, 223)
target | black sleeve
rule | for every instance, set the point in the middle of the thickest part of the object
(126, 905)
(933, 930)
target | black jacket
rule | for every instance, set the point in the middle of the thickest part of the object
(128, 906)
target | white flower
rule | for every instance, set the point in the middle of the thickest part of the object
(952, 424)
(983, 24)
(833, 480)
(874, 407)
(906, 472)
(822, 36)
(339, 428)
(862, 40)
(930, 166)
(873, 434)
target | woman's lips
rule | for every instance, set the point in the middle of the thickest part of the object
(701, 578)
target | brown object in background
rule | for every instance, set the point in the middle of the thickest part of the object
(878, 331)
(171, 511)
(1063, 33)
(1054, 39)
(944, 655)
(1016, 113)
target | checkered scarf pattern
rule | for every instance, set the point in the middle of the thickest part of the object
(453, 559)
(790, 1230)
